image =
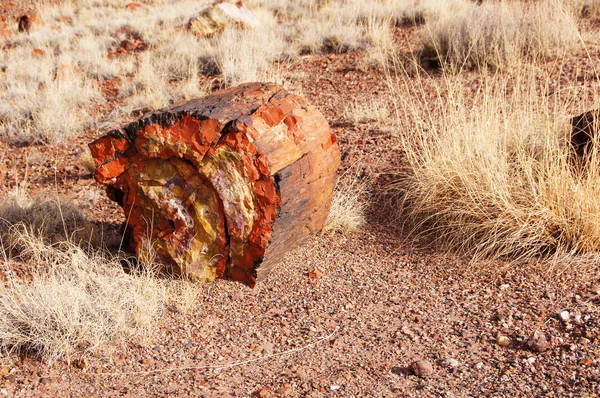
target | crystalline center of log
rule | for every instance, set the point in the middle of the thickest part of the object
(187, 225)
(209, 216)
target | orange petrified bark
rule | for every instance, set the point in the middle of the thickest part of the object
(224, 185)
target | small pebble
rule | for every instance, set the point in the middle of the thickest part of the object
(334, 388)
(539, 341)
(583, 341)
(531, 360)
(267, 349)
(422, 368)
(81, 363)
(565, 316)
(502, 341)
(479, 365)
(449, 363)
(301, 374)
(586, 362)
(147, 361)
(285, 390)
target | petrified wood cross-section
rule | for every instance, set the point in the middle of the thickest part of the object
(222, 186)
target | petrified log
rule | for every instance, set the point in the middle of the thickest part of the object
(215, 18)
(222, 186)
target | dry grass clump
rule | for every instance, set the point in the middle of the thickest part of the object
(501, 34)
(54, 79)
(42, 100)
(586, 8)
(490, 177)
(67, 297)
(348, 206)
(75, 302)
(372, 110)
(49, 219)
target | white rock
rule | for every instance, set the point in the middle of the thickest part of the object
(214, 19)
(333, 388)
(449, 363)
(565, 316)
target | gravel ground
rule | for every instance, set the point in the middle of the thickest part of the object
(365, 314)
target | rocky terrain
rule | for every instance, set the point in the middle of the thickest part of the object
(372, 312)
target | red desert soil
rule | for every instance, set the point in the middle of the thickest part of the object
(343, 315)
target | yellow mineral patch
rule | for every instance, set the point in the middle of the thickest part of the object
(178, 194)
(226, 171)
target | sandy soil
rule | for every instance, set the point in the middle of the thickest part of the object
(381, 303)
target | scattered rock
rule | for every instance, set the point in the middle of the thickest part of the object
(147, 361)
(133, 6)
(583, 341)
(81, 363)
(479, 365)
(586, 362)
(263, 392)
(449, 363)
(422, 368)
(565, 316)
(285, 390)
(5, 33)
(27, 21)
(539, 341)
(213, 19)
(502, 340)
(316, 274)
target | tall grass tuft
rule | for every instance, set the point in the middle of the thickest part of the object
(489, 175)
(501, 34)
(67, 298)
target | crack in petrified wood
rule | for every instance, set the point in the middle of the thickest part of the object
(222, 186)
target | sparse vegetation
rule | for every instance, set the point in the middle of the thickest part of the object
(49, 219)
(374, 110)
(68, 297)
(481, 144)
(501, 34)
(75, 302)
(490, 176)
(348, 207)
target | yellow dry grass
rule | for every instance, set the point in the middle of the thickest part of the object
(502, 34)
(73, 298)
(489, 176)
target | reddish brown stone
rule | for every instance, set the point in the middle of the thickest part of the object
(133, 6)
(224, 185)
(27, 21)
(5, 33)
